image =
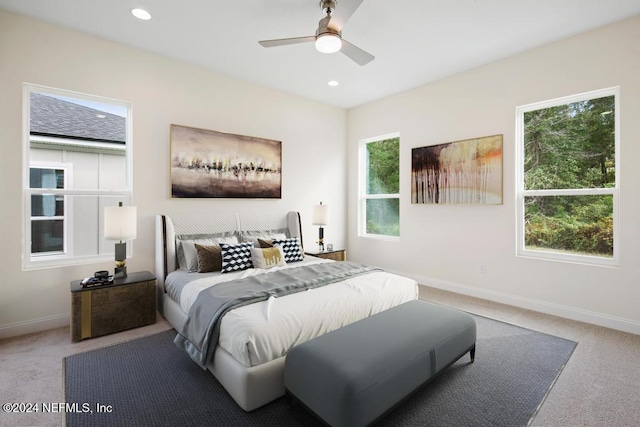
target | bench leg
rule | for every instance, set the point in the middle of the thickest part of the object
(472, 353)
(288, 398)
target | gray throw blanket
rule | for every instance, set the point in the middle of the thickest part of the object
(199, 336)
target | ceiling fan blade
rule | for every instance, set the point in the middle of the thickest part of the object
(356, 54)
(343, 12)
(284, 42)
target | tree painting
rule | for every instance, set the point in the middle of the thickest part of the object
(206, 163)
(468, 171)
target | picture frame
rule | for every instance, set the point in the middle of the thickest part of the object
(211, 164)
(460, 172)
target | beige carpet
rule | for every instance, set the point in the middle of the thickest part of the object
(598, 387)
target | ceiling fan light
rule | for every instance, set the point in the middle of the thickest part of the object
(328, 43)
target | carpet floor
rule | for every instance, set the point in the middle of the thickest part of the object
(149, 381)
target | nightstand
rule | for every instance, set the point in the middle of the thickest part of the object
(127, 303)
(336, 255)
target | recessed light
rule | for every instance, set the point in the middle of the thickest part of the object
(141, 14)
(100, 116)
(333, 83)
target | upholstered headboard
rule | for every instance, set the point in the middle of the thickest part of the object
(168, 227)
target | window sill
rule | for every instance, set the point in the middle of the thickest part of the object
(66, 262)
(593, 261)
(380, 237)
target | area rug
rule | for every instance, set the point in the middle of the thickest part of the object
(149, 381)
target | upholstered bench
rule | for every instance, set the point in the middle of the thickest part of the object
(354, 375)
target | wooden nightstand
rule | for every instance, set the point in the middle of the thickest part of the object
(127, 303)
(336, 255)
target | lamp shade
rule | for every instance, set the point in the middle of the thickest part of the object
(120, 222)
(320, 214)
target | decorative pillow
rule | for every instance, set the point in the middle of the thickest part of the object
(209, 258)
(255, 236)
(236, 257)
(291, 249)
(265, 243)
(267, 257)
(187, 254)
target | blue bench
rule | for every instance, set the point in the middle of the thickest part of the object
(354, 375)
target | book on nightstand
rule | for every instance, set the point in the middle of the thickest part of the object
(91, 282)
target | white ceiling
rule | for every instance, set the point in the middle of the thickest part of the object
(414, 41)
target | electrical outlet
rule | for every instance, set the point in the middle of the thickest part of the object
(483, 268)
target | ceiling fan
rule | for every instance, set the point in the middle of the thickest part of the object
(328, 38)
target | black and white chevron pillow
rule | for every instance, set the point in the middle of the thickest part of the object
(236, 257)
(291, 249)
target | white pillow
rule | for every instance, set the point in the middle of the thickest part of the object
(190, 254)
(267, 257)
(254, 236)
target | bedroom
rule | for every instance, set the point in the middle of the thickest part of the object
(442, 247)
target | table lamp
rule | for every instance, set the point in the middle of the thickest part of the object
(120, 224)
(320, 218)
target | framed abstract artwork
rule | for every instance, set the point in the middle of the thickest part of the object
(211, 164)
(460, 172)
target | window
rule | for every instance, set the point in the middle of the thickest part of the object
(568, 178)
(76, 162)
(380, 187)
(47, 210)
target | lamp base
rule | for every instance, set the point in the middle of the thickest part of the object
(321, 240)
(121, 262)
(120, 273)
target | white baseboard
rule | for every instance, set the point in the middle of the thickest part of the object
(37, 325)
(567, 312)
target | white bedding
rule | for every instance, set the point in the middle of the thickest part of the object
(264, 331)
(190, 291)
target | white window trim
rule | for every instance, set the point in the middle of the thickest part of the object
(30, 262)
(521, 192)
(362, 189)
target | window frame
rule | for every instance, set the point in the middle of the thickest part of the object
(67, 258)
(363, 197)
(67, 238)
(521, 193)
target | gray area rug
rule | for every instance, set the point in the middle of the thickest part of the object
(150, 382)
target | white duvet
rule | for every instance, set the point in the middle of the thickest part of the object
(264, 331)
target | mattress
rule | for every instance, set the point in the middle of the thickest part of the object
(264, 331)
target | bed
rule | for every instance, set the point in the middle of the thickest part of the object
(247, 351)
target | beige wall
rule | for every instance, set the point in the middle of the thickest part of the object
(440, 245)
(445, 245)
(162, 91)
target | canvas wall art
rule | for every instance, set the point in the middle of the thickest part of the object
(468, 171)
(210, 164)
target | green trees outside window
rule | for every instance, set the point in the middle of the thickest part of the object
(381, 200)
(569, 177)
